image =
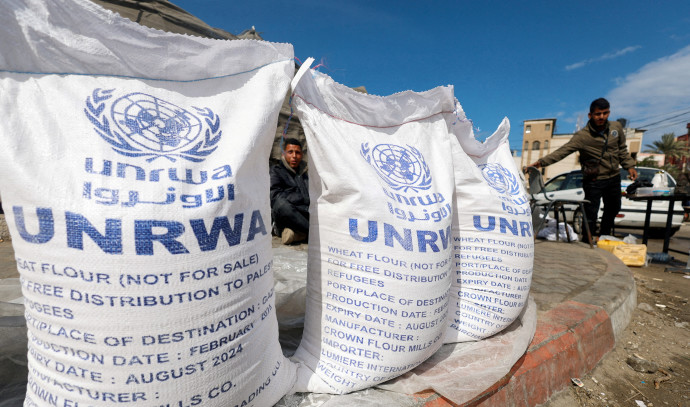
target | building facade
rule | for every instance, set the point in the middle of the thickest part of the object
(539, 139)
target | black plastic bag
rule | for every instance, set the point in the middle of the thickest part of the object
(630, 190)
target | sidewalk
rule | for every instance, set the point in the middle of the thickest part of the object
(585, 298)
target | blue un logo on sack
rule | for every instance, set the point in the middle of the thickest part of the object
(141, 125)
(402, 168)
(501, 179)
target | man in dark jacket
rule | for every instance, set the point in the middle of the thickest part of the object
(601, 145)
(290, 194)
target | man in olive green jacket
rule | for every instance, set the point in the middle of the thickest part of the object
(603, 151)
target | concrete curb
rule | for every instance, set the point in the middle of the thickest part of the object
(615, 291)
(569, 341)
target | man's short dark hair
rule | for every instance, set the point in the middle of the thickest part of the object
(601, 104)
(292, 141)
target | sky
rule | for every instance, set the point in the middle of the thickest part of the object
(518, 59)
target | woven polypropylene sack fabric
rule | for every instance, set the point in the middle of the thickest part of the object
(134, 178)
(381, 187)
(493, 242)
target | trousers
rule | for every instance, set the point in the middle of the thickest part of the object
(606, 190)
(287, 215)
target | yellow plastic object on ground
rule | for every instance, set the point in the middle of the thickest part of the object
(609, 244)
(631, 254)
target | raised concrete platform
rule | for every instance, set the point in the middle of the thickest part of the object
(585, 299)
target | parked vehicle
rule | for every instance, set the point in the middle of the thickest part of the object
(569, 186)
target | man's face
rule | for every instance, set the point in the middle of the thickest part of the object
(293, 155)
(599, 117)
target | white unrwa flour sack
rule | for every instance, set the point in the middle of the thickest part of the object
(133, 173)
(381, 187)
(493, 243)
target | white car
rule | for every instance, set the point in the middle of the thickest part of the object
(569, 186)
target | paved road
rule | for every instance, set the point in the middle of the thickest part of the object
(680, 242)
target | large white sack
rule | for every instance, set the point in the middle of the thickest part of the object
(458, 371)
(381, 187)
(493, 242)
(133, 176)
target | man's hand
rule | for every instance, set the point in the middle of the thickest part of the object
(632, 174)
(534, 164)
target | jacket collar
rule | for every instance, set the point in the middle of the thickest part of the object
(593, 130)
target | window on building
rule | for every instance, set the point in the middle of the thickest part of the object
(526, 145)
(546, 145)
(548, 126)
(528, 128)
(535, 145)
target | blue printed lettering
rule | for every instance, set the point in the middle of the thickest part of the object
(521, 228)
(209, 240)
(172, 173)
(43, 394)
(107, 167)
(77, 225)
(46, 225)
(389, 233)
(146, 232)
(373, 231)
(504, 224)
(478, 223)
(256, 225)
(144, 236)
(140, 174)
(222, 172)
(221, 194)
(424, 237)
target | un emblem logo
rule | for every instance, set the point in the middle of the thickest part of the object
(141, 125)
(402, 168)
(501, 179)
